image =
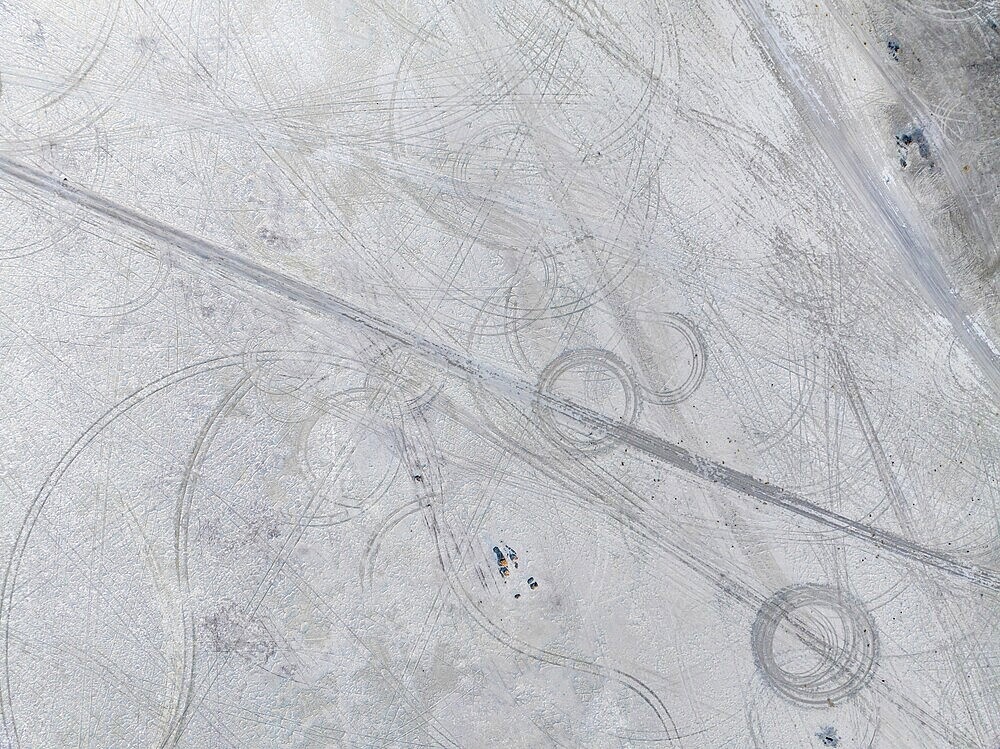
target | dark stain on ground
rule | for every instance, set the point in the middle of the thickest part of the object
(912, 136)
(229, 633)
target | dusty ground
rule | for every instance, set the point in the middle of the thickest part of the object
(544, 373)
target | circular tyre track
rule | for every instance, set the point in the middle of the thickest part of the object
(596, 369)
(688, 356)
(815, 645)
